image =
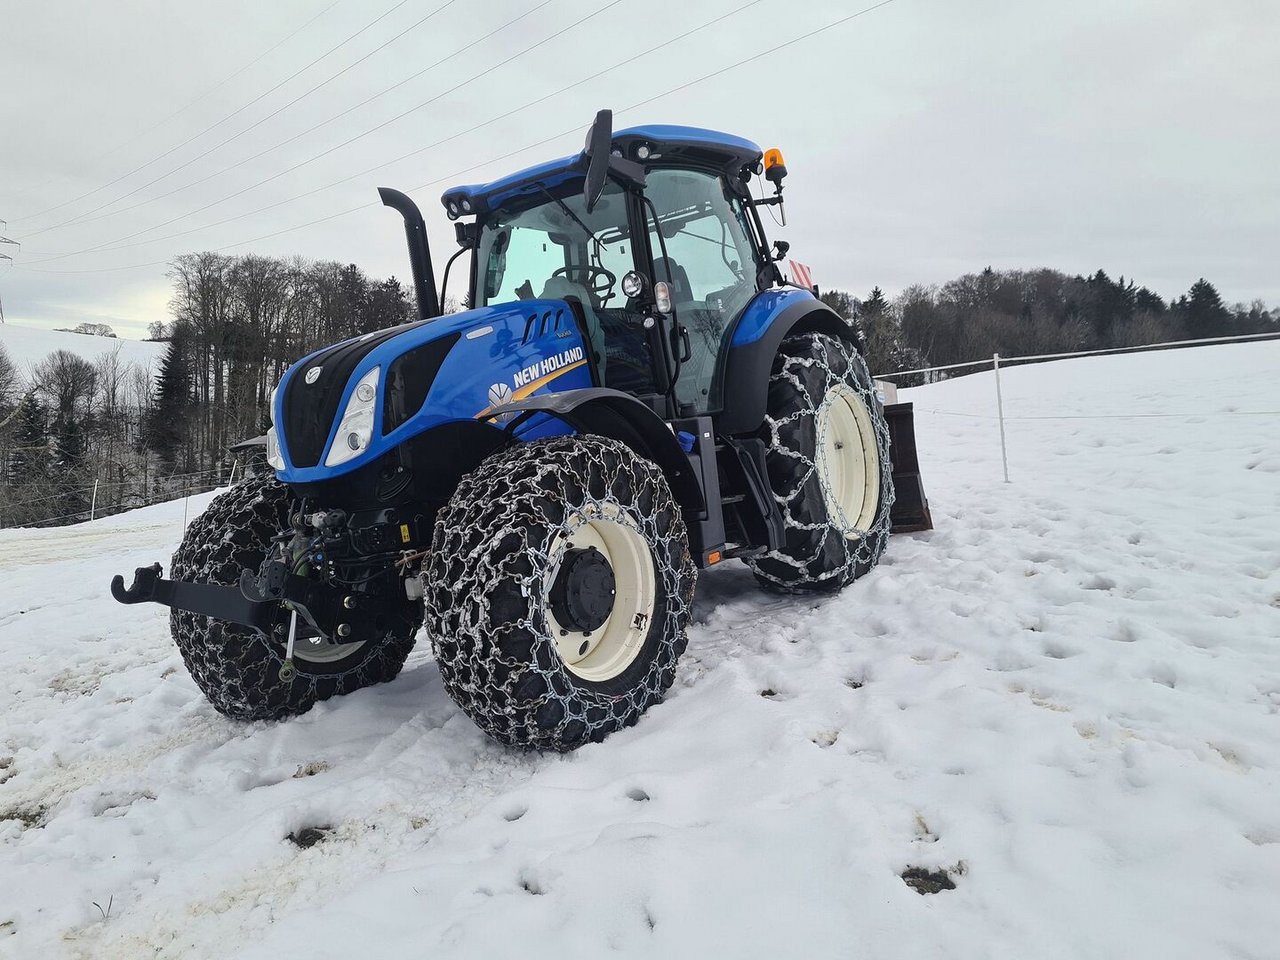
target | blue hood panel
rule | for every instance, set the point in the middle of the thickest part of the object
(502, 353)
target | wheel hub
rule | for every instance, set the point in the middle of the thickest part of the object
(583, 592)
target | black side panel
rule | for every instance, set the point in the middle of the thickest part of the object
(409, 378)
(310, 408)
(746, 376)
(423, 471)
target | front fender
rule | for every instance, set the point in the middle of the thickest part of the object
(612, 413)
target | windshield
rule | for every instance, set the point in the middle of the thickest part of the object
(546, 249)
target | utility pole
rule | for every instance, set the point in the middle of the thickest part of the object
(5, 256)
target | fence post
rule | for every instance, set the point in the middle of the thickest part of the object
(93, 505)
(1004, 453)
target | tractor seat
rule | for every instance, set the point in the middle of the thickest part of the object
(560, 288)
(665, 268)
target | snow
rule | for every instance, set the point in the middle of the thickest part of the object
(1066, 697)
(27, 346)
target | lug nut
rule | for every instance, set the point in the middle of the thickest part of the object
(349, 602)
(344, 629)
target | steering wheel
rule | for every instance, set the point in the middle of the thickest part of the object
(595, 278)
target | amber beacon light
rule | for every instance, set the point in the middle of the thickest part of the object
(775, 168)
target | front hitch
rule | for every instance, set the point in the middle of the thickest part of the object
(208, 599)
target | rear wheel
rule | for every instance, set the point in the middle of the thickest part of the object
(237, 668)
(558, 591)
(828, 464)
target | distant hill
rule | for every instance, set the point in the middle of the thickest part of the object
(27, 346)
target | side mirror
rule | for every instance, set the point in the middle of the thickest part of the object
(599, 143)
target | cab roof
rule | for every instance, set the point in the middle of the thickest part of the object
(664, 142)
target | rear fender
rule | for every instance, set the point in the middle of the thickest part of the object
(755, 344)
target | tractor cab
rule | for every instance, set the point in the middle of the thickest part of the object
(657, 265)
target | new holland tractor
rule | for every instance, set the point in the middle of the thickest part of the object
(634, 393)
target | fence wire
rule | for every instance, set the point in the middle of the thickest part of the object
(1041, 357)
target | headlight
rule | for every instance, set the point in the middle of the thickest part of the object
(271, 407)
(273, 450)
(356, 429)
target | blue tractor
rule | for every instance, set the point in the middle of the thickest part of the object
(634, 393)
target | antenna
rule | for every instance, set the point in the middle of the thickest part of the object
(5, 256)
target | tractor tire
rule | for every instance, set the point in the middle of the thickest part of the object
(236, 667)
(558, 591)
(828, 464)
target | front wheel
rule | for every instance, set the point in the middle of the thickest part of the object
(237, 668)
(828, 464)
(558, 591)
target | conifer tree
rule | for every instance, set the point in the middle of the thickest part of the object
(29, 460)
(167, 430)
(1204, 313)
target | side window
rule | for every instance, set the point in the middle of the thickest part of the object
(710, 262)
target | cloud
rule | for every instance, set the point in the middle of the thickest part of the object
(924, 140)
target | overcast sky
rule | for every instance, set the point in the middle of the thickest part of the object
(924, 140)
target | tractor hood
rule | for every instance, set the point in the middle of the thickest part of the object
(345, 406)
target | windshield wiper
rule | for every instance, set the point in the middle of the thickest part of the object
(576, 219)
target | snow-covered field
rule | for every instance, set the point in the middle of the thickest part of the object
(27, 346)
(1065, 699)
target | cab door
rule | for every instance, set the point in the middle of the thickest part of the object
(701, 247)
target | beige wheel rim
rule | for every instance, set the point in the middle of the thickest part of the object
(848, 461)
(611, 648)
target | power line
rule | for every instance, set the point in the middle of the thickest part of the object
(119, 245)
(374, 129)
(219, 123)
(119, 241)
(88, 217)
(512, 153)
(133, 138)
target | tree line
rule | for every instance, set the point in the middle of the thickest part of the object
(1026, 312)
(235, 324)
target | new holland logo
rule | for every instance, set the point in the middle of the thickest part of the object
(499, 394)
(313, 374)
(548, 365)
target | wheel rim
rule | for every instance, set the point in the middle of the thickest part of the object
(605, 652)
(848, 461)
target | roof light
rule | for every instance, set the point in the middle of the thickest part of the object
(643, 151)
(775, 168)
(466, 204)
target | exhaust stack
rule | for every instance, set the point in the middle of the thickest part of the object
(415, 233)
